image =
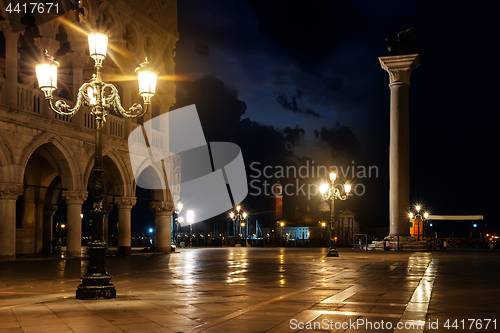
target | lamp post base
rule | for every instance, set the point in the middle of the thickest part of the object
(95, 291)
(332, 252)
(96, 282)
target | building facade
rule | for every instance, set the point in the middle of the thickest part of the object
(44, 156)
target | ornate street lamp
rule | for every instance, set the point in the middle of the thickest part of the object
(239, 218)
(419, 219)
(329, 193)
(101, 97)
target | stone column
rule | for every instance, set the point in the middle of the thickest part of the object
(9, 193)
(107, 209)
(48, 214)
(163, 211)
(125, 205)
(11, 64)
(74, 201)
(399, 69)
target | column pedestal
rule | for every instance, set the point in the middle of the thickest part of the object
(163, 211)
(399, 69)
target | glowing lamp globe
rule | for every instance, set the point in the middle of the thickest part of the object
(333, 176)
(46, 74)
(98, 45)
(147, 77)
(323, 188)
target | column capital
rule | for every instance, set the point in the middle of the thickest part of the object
(162, 207)
(11, 191)
(125, 202)
(74, 197)
(47, 43)
(399, 67)
(11, 29)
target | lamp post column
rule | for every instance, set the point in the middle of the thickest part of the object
(399, 69)
(96, 282)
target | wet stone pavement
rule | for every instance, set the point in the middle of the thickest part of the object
(260, 290)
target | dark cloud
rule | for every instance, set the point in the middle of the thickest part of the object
(341, 139)
(202, 49)
(292, 105)
(307, 32)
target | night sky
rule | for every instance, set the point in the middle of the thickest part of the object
(291, 81)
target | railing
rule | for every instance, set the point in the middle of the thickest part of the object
(115, 125)
(32, 100)
(452, 242)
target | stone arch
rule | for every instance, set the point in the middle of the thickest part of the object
(149, 177)
(68, 165)
(47, 167)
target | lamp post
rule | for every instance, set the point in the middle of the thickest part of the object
(329, 193)
(101, 97)
(238, 218)
(419, 219)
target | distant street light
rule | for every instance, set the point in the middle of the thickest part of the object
(178, 220)
(329, 193)
(419, 220)
(190, 220)
(239, 218)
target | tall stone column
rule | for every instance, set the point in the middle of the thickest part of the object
(163, 211)
(125, 205)
(74, 201)
(48, 215)
(11, 63)
(9, 193)
(399, 69)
